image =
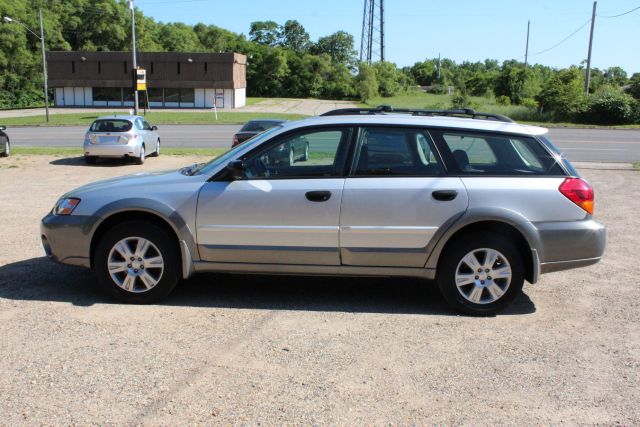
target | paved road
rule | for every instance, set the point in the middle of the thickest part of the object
(582, 145)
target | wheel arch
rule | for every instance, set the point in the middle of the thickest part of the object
(170, 221)
(509, 223)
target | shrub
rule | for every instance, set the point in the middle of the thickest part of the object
(529, 103)
(610, 106)
(503, 100)
(367, 82)
(563, 94)
(460, 100)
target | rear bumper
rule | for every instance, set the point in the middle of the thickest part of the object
(66, 238)
(567, 245)
(111, 150)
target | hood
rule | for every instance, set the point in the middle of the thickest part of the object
(143, 184)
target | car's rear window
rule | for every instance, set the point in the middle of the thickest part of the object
(258, 126)
(495, 154)
(108, 125)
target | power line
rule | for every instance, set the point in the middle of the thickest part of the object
(622, 14)
(563, 40)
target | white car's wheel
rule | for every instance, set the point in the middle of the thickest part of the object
(140, 160)
(157, 152)
(7, 149)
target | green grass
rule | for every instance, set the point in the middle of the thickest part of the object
(254, 100)
(155, 118)
(636, 165)
(70, 151)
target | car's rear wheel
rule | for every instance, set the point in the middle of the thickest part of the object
(7, 150)
(157, 152)
(137, 262)
(305, 157)
(90, 160)
(481, 274)
(140, 159)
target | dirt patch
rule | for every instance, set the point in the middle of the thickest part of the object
(275, 350)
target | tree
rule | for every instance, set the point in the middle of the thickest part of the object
(615, 76)
(293, 36)
(634, 88)
(563, 94)
(390, 80)
(264, 32)
(366, 82)
(339, 46)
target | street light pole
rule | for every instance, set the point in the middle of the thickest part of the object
(133, 51)
(44, 57)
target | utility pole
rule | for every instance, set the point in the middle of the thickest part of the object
(372, 45)
(364, 21)
(587, 80)
(133, 51)
(526, 52)
(44, 69)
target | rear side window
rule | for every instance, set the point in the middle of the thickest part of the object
(495, 154)
(114, 125)
(395, 151)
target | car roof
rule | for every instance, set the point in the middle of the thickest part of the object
(267, 120)
(120, 117)
(392, 119)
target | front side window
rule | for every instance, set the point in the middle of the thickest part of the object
(496, 154)
(318, 153)
(395, 151)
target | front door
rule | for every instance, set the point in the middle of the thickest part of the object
(396, 199)
(285, 210)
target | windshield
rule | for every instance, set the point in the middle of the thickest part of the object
(111, 125)
(258, 126)
(208, 168)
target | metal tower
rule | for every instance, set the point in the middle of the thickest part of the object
(372, 40)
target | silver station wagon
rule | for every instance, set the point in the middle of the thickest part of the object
(474, 201)
(121, 136)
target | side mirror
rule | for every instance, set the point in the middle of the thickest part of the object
(236, 169)
(154, 127)
(3, 127)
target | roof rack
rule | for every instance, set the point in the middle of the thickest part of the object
(384, 109)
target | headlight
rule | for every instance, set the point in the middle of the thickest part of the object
(65, 206)
(93, 139)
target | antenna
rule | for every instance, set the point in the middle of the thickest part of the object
(372, 40)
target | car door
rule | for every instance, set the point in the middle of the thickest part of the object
(278, 212)
(396, 198)
(150, 135)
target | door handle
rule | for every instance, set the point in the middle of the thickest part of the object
(444, 195)
(318, 196)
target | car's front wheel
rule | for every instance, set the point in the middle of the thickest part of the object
(137, 262)
(157, 152)
(481, 274)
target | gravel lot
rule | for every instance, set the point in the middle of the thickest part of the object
(248, 350)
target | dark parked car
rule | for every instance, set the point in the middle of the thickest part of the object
(254, 127)
(5, 148)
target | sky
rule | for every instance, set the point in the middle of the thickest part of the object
(461, 30)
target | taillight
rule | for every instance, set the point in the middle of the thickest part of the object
(579, 192)
(235, 141)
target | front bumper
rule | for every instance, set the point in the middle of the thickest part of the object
(111, 150)
(67, 238)
(573, 244)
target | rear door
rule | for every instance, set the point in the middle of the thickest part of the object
(280, 212)
(396, 198)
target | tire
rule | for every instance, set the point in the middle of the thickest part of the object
(90, 160)
(135, 284)
(305, 156)
(157, 152)
(7, 149)
(292, 158)
(482, 294)
(140, 160)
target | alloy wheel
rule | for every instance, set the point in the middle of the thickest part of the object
(483, 276)
(135, 264)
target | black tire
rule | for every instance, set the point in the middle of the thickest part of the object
(90, 160)
(7, 149)
(140, 159)
(167, 248)
(453, 255)
(305, 156)
(292, 158)
(157, 152)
